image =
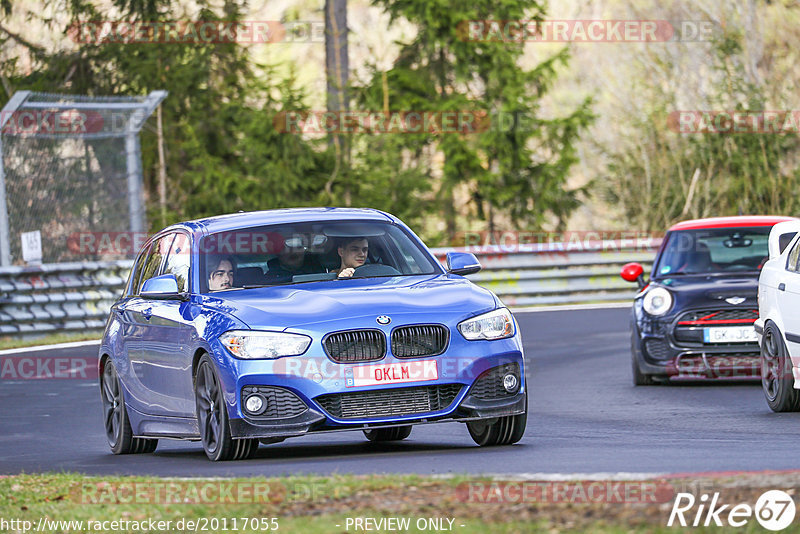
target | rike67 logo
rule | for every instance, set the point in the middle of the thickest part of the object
(774, 510)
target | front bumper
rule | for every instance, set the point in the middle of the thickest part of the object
(663, 353)
(467, 391)
(313, 420)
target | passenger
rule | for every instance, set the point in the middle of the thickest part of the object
(220, 274)
(291, 261)
(353, 252)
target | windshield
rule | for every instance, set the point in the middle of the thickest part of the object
(309, 252)
(715, 250)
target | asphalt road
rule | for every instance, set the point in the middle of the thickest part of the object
(585, 417)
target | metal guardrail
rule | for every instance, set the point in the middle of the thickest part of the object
(69, 297)
(59, 297)
(558, 273)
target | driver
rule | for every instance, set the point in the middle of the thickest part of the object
(353, 252)
(220, 274)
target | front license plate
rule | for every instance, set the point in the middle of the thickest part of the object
(391, 373)
(730, 334)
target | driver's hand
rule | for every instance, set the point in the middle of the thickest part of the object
(346, 273)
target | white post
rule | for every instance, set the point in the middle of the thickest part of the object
(5, 234)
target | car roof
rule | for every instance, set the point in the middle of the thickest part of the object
(731, 222)
(232, 221)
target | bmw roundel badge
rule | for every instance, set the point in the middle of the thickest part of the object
(384, 319)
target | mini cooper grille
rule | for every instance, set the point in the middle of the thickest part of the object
(657, 349)
(490, 384)
(419, 340)
(281, 402)
(699, 318)
(389, 402)
(689, 329)
(356, 346)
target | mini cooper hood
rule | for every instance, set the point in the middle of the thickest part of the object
(432, 298)
(704, 290)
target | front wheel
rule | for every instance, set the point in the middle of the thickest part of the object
(505, 430)
(776, 373)
(212, 418)
(388, 434)
(115, 416)
(639, 378)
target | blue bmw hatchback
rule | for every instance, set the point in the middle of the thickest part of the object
(255, 327)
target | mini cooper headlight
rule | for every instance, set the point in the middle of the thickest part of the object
(496, 324)
(255, 345)
(657, 301)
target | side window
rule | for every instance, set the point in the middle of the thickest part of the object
(791, 265)
(178, 261)
(785, 239)
(136, 272)
(154, 259)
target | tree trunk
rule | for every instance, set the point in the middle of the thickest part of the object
(336, 68)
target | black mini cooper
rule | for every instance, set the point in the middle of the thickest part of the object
(694, 318)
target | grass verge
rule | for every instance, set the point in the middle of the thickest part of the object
(313, 504)
(10, 342)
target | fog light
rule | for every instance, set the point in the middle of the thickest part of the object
(254, 404)
(510, 382)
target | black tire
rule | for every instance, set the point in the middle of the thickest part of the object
(503, 431)
(639, 378)
(776, 372)
(212, 418)
(115, 416)
(388, 434)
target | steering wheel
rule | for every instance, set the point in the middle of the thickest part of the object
(375, 269)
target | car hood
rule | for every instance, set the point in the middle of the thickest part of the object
(705, 290)
(437, 298)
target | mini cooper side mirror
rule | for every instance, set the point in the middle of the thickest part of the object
(633, 272)
(161, 287)
(462, 263)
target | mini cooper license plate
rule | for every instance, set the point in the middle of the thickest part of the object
(391, 373)
(730, 334)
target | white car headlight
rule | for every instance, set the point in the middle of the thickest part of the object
(255, 345)
(657, 301)
(496, 324)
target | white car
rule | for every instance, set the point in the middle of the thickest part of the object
(778, 323)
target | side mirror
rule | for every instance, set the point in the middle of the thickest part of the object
(462, 263)
(161, 287)
(633, 272)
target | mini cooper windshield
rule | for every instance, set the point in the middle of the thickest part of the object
(309, 252)
(713, 251)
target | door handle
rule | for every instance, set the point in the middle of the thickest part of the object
(147, 313)
(781, 287)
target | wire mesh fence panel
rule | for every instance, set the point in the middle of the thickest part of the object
(72, 171)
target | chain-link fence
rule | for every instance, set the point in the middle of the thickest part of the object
(70, 168)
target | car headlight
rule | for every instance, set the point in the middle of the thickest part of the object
(657, 301)
(496, 324)
(255, 345)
